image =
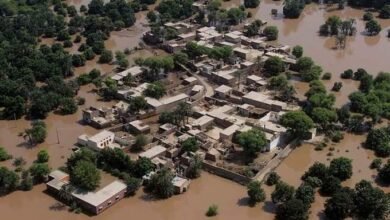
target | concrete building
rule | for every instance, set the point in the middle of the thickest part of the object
(153, 152)
(203, 122)
(263, 101)
(134, 71)
(98, 141)
(256, 80)
(180, 184)
(99, 117)
(138, 127)
(223, 91)
(92, 202)
(180, 27)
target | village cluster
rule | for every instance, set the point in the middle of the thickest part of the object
(222, 99)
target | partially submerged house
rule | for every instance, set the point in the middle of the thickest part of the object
(93, 202)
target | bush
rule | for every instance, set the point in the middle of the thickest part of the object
(347, 74)
(43, 156)
(337, 86)
(327, 76)
(271, 32)
(4, 155)
(297, 51)
(376, 163)
(212, 211)
(368, 16)
(272, 179)
(337, 136)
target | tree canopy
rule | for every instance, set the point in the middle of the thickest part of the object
(253, 141)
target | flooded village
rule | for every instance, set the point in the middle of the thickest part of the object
(209, 107)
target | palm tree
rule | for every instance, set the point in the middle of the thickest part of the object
(183, 110)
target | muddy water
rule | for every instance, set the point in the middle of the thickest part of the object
(192, 205)
(67, 127)
(303, 157)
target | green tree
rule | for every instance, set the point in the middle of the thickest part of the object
(318, 170)
(306, 194)
(323, 116)
(251, 3)
(43, 156)
(137, 103)
(9, 180)
(85, 175)
(274, 66)
(254, 28)
(304, 64)
(106, 56)
(293, 209)
(212, 211)
(313, 73)
(140, 142)
(142, 167)
(132, 184)
(195, 167)
(297, 122)
(340, 205)
(40, 172)
(373, 27)
(271, 32)
(330, 185)
(37, 133)
(385, 12)
(255, 192)
(190, 145)
(4, 155)
(155, 90)
(236, 15)
(252, 141)
(27, 182)
(293, 8)
(297, 51)
(384, 173)
(371, 202)
(273, 178)
(282, 193)
(341, 168)
(161, 184)
(68, 106)
(279, 82)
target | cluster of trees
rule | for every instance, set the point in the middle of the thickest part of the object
(373, 99)
(155, 66)
(293, 8)
(222, 18)
(37, 133)
(194, 50)
(298, 123)
(253, 28)
(373, 27)
(37, 173)
(271, 32)
(174, 9)
(378, 140)
(363, 202)
(4, 155)
(155, 90)
(252, 141)
(251, 3)
(178, 117)
(308, 69)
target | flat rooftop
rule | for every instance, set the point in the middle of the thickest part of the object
(153, 152)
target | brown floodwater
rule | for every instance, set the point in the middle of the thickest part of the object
(67, 127)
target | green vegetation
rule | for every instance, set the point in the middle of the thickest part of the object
(293, 209)
(384, 173)
(9, 181)
(39, 172)
(293, 8)
(194, 50)
(4, 155)
(297, 51)
(255, 192)
(37, 133)
(85, 175)
(190, 145)
(297, 122)
(282, 193)
(254, 28)
(161, 184)
(155, 90)
(271, 32)
(252, 141)
(373, 27)
(195, 167)
(251, 3)
(272, 179)
(378, 140)
(274, 66)
(212, 211)
(376, 163)
(341, 168)
(43, 156)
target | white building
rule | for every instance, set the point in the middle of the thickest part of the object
(98, 141)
